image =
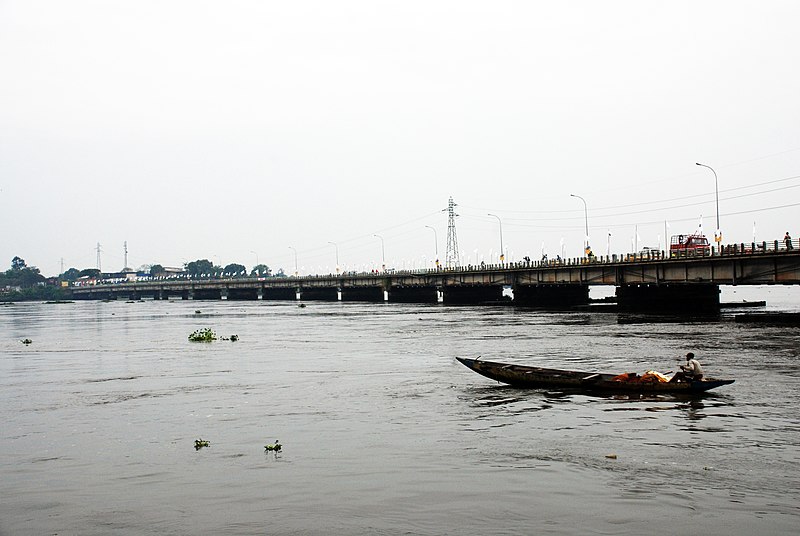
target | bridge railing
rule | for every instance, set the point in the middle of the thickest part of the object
(726, 250)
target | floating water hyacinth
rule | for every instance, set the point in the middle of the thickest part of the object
(200, 443)
(273, 448)
(203, 335)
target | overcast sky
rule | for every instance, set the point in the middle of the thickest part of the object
(238, 130)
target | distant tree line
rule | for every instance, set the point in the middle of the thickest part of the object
(205, 268)
(22, 282)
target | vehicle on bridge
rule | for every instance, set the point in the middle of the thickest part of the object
(693, 245)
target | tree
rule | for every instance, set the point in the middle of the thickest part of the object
(30, 276)
(261, 270)
(91, 272)
(17, 264)
(200, 267)
(234, 269)
(71, 275)
(156, 269)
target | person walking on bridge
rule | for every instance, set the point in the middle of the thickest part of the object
(788, 241)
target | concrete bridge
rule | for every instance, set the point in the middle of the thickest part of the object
(649, 282)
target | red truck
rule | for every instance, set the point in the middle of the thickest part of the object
(693, 245)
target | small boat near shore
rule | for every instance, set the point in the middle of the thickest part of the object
(526, 376)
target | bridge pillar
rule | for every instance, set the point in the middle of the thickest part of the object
(320, 293)
(412, 294)
(270, 293)
(472, 294)
(368, 294)
(551, 295)
(669, 298)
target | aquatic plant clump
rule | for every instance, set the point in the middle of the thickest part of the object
(203, 335)
(200, 443)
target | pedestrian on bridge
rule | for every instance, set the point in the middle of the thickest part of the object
(788, 241)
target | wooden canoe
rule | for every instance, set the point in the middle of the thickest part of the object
(525, 376)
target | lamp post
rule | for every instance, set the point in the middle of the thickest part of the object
(335, 245)
(502, 256)
(295, 260)
(718, 232)
(383, 252)
(256, 254)
(435, 244)
(586, 220)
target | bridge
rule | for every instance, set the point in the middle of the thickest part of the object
(651, 282)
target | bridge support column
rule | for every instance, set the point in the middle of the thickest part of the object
(472, 294)
(367, 294)
(320, 293)
(413, 295)
(279, 293)
(669, 298)
(551, 295)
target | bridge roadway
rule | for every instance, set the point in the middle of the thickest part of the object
(651, 282)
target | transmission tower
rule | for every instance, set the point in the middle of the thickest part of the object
(451, 259)
(98, 257)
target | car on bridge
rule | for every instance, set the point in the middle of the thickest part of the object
(693, 245)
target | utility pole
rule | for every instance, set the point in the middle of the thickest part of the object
(451, 257)
(383, 253)
(502, 252)
(125, 247)
(718, 232)
(435, 245)
(98, 257)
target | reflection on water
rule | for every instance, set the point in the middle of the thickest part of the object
(383, 432)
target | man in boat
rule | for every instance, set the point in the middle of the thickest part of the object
(691, 371)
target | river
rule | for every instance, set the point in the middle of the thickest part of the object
(383, 431)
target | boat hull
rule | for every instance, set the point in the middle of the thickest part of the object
(525, 376)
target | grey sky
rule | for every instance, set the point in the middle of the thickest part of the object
(236, 130)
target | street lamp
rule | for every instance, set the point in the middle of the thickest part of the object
(586, 248)
(295, 260)
(502, 256)
(718, 233)
(256, 254)
(383, 252)
(335, 245)
(435, 244)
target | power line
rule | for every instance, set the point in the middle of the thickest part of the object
(647, 203)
